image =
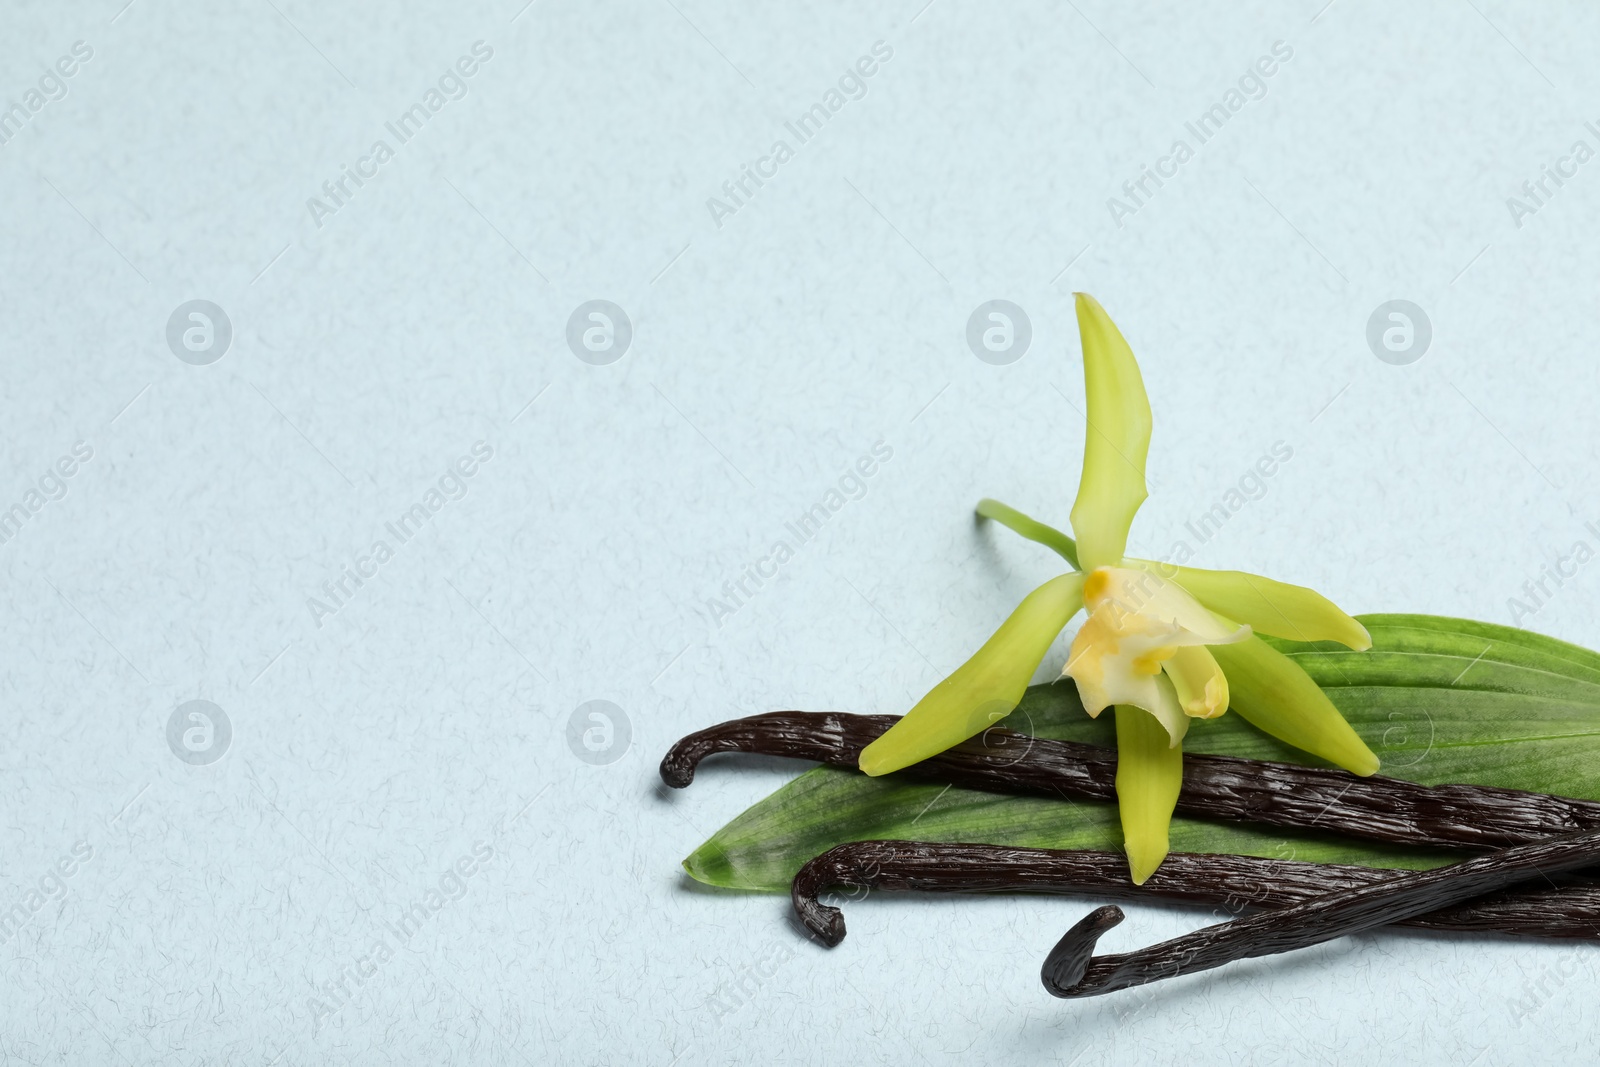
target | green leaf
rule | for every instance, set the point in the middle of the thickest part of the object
(1438, 699)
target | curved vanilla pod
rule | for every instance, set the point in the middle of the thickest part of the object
(832, 737)
(1072, 970)
(1214, 787)
(1230, 882)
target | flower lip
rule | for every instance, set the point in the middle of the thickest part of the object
(1143, 645)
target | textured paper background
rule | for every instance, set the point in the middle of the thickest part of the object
(223, 903)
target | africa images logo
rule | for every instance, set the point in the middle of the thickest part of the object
(452, 85)
(199, 732)
(852, 85)
(16, 114)
(451, 486)
(50, 486)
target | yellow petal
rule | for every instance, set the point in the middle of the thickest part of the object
(1276, 695)
(1149, 775)
(1116, 442)
(1200, 685)
(984, 689)
(1268, 607)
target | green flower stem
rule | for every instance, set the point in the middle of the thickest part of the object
(1031, 528)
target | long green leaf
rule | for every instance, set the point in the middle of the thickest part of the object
(1438, 699)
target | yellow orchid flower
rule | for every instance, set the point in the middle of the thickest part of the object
(1162, 644)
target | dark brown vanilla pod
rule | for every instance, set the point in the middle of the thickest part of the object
(831, 737)
(1071, 969)
(1231, 882)
(1214, 787)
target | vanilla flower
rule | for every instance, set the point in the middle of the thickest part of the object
(1163, 644)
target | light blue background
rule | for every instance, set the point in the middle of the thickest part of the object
(430, 713)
